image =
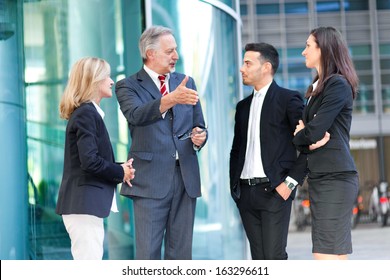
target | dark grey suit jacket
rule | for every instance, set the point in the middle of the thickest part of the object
(90, 174)
(330, 111)
(282, 108)
(154, 139)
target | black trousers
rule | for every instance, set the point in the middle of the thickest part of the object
(265, 216)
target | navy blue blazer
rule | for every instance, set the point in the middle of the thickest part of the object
(90, 173)
(281, 111)
(154, 139)
(330, 111)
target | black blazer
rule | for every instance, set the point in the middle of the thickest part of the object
(90, 174)
(330, 111)
(282, 108)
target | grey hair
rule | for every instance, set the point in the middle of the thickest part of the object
(150, 39)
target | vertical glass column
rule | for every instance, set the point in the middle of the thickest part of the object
(13, 171)
(209, 52)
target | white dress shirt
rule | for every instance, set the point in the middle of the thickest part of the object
(114, 206)
(157, 82)
(253, 166)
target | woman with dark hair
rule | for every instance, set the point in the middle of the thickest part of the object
(332, 178)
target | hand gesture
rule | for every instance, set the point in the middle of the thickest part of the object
(184, 95)
(129, 171)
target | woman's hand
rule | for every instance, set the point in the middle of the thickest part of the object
(299, 127)
(320, 143)
(129, 171)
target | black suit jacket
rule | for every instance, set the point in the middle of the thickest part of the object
(90, 174)
(330, 111)
(282, 108)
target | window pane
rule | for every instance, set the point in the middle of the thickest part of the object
(244, 10)
(356, 5)
(385, 63)
(360, 50)
(214, 66)
(328, 6)
(267, 9)
(363, 64)
(383, 4)
(296, 8)
(364, 102)
(384, 49)
(386, 98)
(295, 52)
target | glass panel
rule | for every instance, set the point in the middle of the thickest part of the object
(364, 102)
(328, 6)
(297, 67)
(383, 4)
(53, 42)
(385, 63)
(294, 52)
(214, 66)
(244, 9)
(363, 64)
(356, 5)
(365, 80)
(230, 3)
(386, 97)
(360, 50)
(267, 9)
(296, 8)
(385, 78)
(384, 49)
(299, 82)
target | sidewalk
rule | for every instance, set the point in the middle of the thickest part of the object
(369, 241)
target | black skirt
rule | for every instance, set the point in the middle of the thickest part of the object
(332, 196)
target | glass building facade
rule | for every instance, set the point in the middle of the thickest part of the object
(366, 26)
(40, 41)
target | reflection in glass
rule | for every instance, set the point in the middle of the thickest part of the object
(208, 53)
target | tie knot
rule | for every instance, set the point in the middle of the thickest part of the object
(162, 78)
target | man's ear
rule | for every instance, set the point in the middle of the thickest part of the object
(150, 54)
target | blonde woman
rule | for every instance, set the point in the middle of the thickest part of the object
(90, 176)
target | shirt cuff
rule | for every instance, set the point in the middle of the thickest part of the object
(291, 180)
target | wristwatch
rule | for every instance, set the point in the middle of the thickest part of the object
(289, 184)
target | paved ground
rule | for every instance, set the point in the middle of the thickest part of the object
(369, 241)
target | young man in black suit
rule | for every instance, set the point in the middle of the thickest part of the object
(264, 167)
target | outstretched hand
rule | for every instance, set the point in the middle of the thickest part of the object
(184, 95)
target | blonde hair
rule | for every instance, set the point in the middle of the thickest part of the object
(83, 84)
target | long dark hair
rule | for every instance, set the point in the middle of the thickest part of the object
(335, 59)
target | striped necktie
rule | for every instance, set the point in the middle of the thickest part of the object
(163, 86)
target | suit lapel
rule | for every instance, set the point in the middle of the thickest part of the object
(147, 83)
(246, 112)
(173, 84)
(268, 101)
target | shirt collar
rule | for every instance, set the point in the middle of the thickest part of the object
(100, 111)
(263, 90)
(153, 74)
(315, 85)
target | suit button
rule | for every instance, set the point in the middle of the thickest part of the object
(266, 189)
(173, 155)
